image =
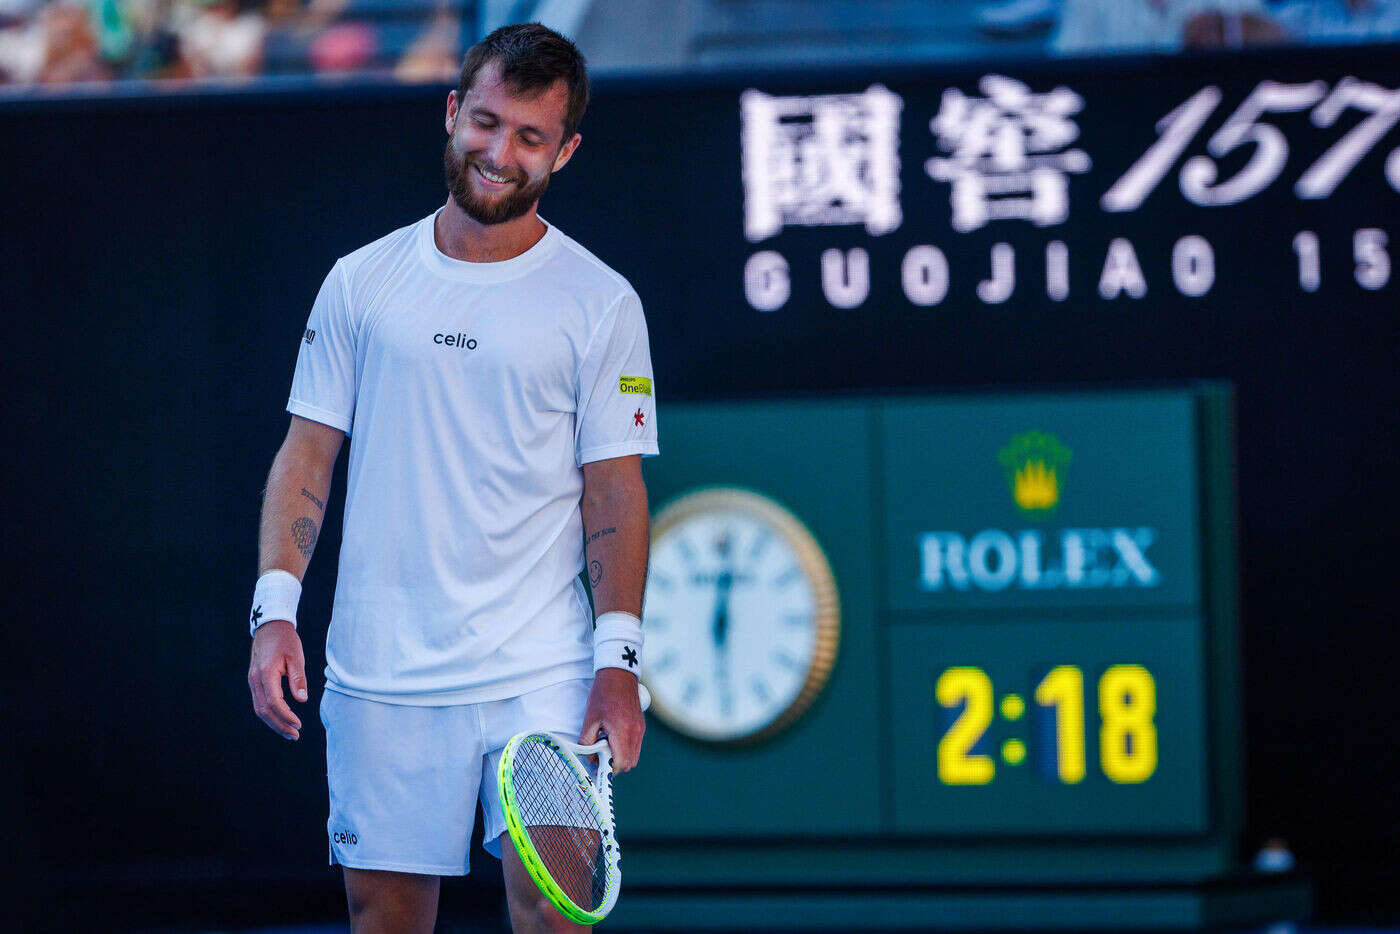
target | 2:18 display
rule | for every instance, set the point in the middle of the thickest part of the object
(1127, 707)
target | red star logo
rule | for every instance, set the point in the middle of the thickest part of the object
(637, 417)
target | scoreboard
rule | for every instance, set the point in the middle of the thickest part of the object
(941, 642)
(1042, 578)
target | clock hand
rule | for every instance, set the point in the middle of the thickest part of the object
(726, 699)
(721, 627)
(720, 633)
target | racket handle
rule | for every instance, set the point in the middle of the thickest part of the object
(598, 748)
(643, 695)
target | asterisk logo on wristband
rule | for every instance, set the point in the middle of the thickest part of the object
(257, 614)
(629, 655)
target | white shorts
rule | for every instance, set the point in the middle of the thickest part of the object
(404, 781)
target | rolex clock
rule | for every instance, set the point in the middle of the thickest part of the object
(742, 618)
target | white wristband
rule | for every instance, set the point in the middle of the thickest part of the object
(275, 597)
(617, 642)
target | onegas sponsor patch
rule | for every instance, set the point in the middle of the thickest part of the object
(634, 385)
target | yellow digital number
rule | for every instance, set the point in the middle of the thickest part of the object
(1063, 689)
(956, 763)
(1128, 736)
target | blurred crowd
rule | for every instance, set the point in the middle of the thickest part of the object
(65, 41)
(1081, 27)
(48, 42)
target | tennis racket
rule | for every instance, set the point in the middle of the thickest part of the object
(560, 819)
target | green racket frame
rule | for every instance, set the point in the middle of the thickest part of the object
(600, 800)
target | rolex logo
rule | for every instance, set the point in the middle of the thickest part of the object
(1035, 487)
(1034, 464)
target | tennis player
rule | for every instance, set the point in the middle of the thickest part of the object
(497, 380)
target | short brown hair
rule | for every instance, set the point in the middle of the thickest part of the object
(532, 58)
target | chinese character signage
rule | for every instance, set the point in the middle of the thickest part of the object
(1007, 155)
(823, 160)
(1010, 175)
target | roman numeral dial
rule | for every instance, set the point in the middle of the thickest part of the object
(741, 616)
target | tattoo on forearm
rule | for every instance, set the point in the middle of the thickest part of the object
(311, 496)
(600, 533)
(304, 533)
(595, 572)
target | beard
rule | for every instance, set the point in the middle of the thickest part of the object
(506, 206)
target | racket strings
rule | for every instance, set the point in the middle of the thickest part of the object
(557, 813)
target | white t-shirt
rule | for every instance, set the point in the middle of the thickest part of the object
(474, 393)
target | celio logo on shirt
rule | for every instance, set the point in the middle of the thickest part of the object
(455, 340)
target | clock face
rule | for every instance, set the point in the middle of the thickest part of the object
(741, 616)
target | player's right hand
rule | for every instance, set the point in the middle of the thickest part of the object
(277, 654)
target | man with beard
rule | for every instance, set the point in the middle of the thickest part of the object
(497, 379)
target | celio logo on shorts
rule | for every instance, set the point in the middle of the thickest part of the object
(455, 340)
(346, 837)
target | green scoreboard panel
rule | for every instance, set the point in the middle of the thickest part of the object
(1042, 727)
(941, 642)
(1043, 592)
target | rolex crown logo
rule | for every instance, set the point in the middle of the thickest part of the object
(1035, 487)
(1034, 464)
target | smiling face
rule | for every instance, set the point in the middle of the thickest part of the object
(503, 146)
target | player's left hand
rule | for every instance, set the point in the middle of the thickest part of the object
(615, 708)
